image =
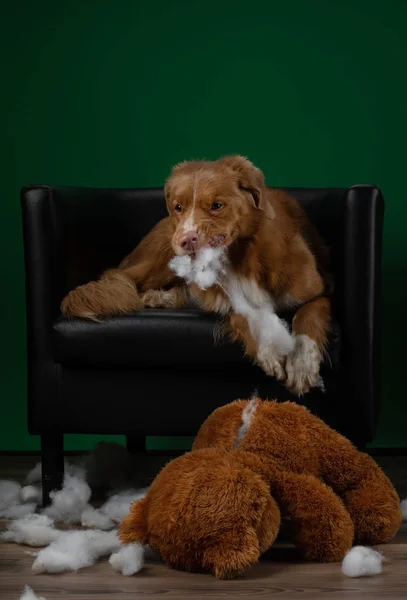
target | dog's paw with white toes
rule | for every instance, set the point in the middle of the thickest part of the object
(272, 362)
(302, 366)
(159, 299)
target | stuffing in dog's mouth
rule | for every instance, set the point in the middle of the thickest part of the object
(217, 241)
(205, 268)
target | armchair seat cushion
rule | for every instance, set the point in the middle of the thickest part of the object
(175, 339)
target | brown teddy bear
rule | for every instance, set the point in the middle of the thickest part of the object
(218, 507)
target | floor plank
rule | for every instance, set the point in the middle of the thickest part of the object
(279, 573)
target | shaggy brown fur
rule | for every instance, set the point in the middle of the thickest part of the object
(218, 508)
(272, 247)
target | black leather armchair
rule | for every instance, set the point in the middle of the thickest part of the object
(157, 372)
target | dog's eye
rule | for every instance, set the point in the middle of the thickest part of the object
(216, 206)
(178, 208)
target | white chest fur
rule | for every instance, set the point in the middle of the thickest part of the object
(256, 305)
(244, 293)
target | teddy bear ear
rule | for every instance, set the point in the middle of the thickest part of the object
(233, 553)
(133, 528)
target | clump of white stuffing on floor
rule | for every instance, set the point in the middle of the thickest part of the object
(34, 476)
(32, 530)
(9, 495)
(18, 511)
(14, 502)
(94, 518)
(118, 505)
(69, 503)
(74, 550)
(205, 270)
(30, 493)
(362, 561)
(403, 506)
(128, 560)
(28, 594)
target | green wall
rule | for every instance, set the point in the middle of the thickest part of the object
(104, 93)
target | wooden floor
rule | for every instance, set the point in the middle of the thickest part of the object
(280, 573)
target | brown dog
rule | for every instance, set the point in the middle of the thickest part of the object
(276, 262)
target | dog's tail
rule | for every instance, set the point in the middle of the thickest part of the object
(114, 293)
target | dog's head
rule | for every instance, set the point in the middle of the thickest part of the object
(215, 203)
(205, 511)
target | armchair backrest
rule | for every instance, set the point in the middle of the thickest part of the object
(88, 230)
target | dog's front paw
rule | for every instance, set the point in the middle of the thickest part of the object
(159, 299)
(302, 366)
(272, 362)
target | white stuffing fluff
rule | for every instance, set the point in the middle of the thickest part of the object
(118, 505)
(75, 470)
(30, 493)
(403, 505)
(247, 416)
(205, 270)
(128, 560)
(320, 384)
(33, 530)
(362, 561)
(182, 266)
(9, 495)
(28, 594)
(15, 501)
(209, 266)
(19, 510)
(74, 550)
(108, 467)
(94, 518)
(69, 503)
(34, 476)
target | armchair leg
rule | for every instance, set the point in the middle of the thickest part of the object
(52, 460)
(136, 444)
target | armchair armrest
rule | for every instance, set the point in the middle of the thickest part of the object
(71, 235)
(358, 301)
(39, 258)
(41, 304)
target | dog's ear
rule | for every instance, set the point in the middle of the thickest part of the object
(251, 180)
(133, 528)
